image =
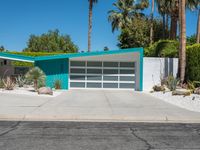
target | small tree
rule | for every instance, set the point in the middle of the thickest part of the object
(2, 48)
(37, 76)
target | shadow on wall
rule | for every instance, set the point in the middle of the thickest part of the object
(156, 69)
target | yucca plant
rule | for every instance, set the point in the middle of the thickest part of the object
(35, 75)
(8, 83)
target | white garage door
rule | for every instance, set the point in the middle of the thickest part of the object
(96, 74)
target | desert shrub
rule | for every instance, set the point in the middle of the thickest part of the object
(193, 63)
(1, 84)
(37, 76)
(8, 83)
(57, 84)
(163, 48)
(20, 81)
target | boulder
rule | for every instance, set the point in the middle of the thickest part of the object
(158, 88)
(45, 90)
(197, 91)
(183, 92)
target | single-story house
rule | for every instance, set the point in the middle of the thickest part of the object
(118, 69)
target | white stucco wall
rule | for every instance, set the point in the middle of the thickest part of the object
(157, 68)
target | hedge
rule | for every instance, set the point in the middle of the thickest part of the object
(33, 54)
(193, 62)
(163, 48)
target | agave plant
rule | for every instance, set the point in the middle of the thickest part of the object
(37, 76)
(172, 82)
(8, 83)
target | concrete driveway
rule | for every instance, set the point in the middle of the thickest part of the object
(93, 105)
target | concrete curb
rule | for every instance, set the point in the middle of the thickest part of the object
(93, 118)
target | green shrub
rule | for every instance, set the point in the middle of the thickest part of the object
(32, 54)
(163, 48)
(193, 63)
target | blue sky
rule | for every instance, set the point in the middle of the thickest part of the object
(20, 18)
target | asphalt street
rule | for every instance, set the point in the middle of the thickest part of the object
(98, 136)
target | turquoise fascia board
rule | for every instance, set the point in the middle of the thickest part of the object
(141, 68)
(16, 57)
(73, 55)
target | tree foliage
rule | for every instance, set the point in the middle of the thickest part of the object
(137, 33)
(52, 41)
(2, 48)
(163, 48)
(191, 39)
(125, 11)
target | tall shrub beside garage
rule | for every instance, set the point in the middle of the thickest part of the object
(193, 63)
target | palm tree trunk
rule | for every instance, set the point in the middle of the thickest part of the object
(90, 25)
(167, 27)
(182, 40)
(164, 29)
(151, 28)
(198, 28)
(173, 30)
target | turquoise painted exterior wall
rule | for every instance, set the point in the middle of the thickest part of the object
(55, 69)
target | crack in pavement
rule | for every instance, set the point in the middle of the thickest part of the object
(12, 128)
(141, 139)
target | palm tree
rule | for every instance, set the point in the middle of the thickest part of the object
(91, 3)
(151, 27)
(36, 75)
(125, 11)
(171, 8)
(182, 39)
(198, 28)
(163, 9)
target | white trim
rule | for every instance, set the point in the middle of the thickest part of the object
(16, 59)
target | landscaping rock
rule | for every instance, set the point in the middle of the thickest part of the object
(197, 91)
(158, 88)
(45, 90)
(183, 92)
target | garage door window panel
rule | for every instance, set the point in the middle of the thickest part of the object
(77, 63)
(127, 85)
(94, 71)
(94, 78)
(127, 78)
(77, 84)
(127, 64)
(127, 71)
(77, 77)
(77, 71)
(94, 85)
(110, 78)
(110, 64)
(110, 85)
(94, 64)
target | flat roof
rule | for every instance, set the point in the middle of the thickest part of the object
(5, 55)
